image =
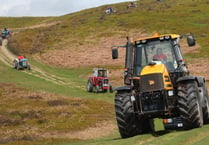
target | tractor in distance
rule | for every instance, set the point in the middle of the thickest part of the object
(99, 81)
(158, 84)
(21, 63)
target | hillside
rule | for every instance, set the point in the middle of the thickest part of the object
(63, 50)
(80, 36)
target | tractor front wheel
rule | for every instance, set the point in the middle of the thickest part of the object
(18, 66)
(28, 67)
(89, 85)
(129, 124)
(189, 105)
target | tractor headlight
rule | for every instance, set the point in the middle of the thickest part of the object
(170, 93)
(161, 38)
(133, 99)
(144, 41)
(138, 42)
(167, 37)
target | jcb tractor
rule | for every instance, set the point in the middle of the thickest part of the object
(158, 85)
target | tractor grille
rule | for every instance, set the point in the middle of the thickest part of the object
(106, 81)
(152, 101)
(151, 82)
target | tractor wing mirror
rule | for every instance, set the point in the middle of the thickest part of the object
(114, 53)
(191, 40)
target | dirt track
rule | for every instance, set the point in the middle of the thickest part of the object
(7, 57)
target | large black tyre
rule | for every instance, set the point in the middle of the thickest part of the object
(189, 105)
(128, 123)
(89, 85)
(205, 105)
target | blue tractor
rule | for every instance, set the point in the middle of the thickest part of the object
(21, 64)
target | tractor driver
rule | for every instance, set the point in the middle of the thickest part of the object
(100, 74)
(159, 56)
(20, 57)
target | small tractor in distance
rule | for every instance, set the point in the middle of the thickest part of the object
(158, 85)
(21, 63)
(99, 81)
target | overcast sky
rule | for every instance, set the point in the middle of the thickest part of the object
(48, 7)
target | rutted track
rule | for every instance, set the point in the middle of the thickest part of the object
(7, 57)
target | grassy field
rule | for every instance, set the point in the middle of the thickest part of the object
(21, 22)
(57, 108)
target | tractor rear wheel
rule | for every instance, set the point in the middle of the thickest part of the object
(128, 123)
(28, 67)
(206, 105)
(189, 105)
(89, 85)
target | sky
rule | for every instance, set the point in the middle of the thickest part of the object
(18, 8)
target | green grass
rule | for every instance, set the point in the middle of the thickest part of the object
(49, 113)
(196, 136)
(20, 22)
(77, 89)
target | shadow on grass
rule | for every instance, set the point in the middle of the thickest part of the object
(160, 133)
(164, 132)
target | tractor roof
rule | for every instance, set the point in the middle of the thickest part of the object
(156, 35)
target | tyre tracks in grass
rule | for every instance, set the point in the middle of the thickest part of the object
(7, 58)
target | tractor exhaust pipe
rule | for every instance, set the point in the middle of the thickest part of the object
(128, 62)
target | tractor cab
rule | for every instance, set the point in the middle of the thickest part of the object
(152, 51)
(21, 63)
(100, 72)
(159, 49)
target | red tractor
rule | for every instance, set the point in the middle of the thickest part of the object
(99, 81)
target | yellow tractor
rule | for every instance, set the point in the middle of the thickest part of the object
(157, 84)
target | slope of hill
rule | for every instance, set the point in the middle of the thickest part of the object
(80, 36)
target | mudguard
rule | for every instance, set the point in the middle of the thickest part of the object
(200, 80)
(124, 88)
(186, 78)
(201, 85)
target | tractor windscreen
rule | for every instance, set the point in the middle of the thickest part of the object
(154, 50)
(102, 73)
